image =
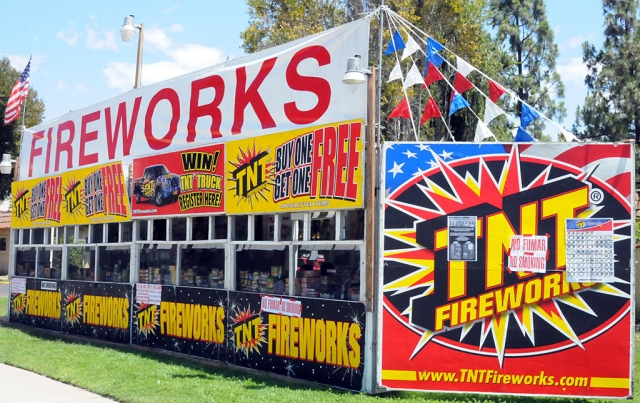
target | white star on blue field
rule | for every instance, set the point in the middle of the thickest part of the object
(406, 160)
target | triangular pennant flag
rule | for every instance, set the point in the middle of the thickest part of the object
(522, 135)
(461, 84)
(412, 47)
(495, 91)
(396, 43)
(433, 75)
(430, 111)
(482, 132)
(463, 67)
(491, 111)
(401, 111)
(457, 103)
(413, 77)
(568, 136)
(528, 115)
(396, 73)
(433, 47)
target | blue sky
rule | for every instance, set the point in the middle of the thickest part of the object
(79, 59)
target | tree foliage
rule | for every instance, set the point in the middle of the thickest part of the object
(458, 24)
(530, 70)
(611, 110)
(10, 135)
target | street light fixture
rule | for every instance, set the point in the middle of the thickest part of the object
(6, 164)
(127, 32)
(355, 74)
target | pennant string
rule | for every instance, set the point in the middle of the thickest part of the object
(404, 90)
(407, 26)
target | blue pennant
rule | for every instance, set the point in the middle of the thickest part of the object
(522, 135)
(457, 103)
(528, 115)
(396, 44)
(433, 47)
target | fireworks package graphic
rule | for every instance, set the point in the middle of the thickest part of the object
(533, 300)
(305, 338)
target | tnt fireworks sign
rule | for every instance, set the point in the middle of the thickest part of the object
(310, 169)
(185, 182)
(305, 338)
(36, 203)
(33, 304)
(533, 311)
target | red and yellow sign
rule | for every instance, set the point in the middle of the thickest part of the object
(88, 195)
(318, 168)
(184, 182)
(485, 323)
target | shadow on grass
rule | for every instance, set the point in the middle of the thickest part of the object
(211, 370)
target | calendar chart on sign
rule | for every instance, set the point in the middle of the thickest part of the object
(590, 250)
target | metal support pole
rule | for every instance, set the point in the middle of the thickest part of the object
(139, 61)
(370, 191)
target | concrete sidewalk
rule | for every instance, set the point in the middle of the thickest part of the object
(20, 386)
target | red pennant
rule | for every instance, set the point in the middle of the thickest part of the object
(461, 84)
(495, 91)
(430, 111)
(433, 75)
(401, 111)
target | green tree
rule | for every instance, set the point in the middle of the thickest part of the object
(10, 135)
(523, 31)
(611, 110)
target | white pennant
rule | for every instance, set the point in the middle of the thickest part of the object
(491, 111)
(411, 48)
(413, 77)
(482, 132)
(568, 136)
(396, 73)
(463, 67)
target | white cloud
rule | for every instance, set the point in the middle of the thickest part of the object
(82, 88)
(61, 85)
(170, 9)
(176, 28)
(69, 35)
(182, 59)
(104, 41)
(19, 62)
(574, 70)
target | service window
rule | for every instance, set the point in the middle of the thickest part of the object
(263, 271)
(25, 262)
(242, 228)
(353, 224)
(200, 228)
(50, 263)
(179, 229)
(113, 230)
(159, 230)
(97, 233)
(26, 237)
(127, 231)
(143, 230)
(81, 261)
(158, 264)
(202, 265)
(113, 263)
(37, 236)
(332, 274)
(220, 227)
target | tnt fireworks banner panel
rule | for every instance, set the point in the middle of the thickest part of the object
(35, 303)
(312, 339)
(508, 320)
(93, 195)
(316, 168)
(185, 182)
(181, 319)
(98, 310)
(36, 202)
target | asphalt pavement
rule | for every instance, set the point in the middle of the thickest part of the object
(4, 289)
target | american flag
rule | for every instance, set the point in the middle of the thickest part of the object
(18, 95)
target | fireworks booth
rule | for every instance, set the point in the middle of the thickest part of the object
(246, 213)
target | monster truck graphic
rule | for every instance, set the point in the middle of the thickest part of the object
(158, 184)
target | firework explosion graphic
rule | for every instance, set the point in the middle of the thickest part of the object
(446, 191)
(247, 344)
(20, 206)
(74, 199)
(151, 315)
(18, 304)
(73, 316)
(252, 176)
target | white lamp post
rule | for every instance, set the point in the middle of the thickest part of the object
(6, 164)
(127, 32)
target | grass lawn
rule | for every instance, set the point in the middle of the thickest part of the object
(148, 377)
